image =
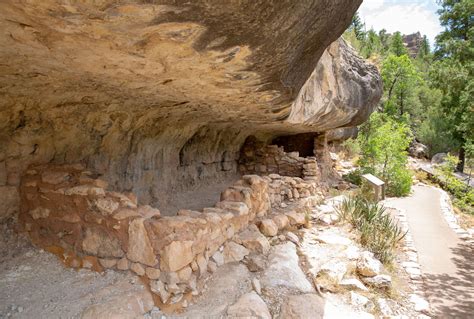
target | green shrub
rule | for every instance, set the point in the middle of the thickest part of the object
(354, 177)
(463, 194)
(378, 232)
(384, 142)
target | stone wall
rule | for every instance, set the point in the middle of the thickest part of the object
(261, 159)
(68, 210)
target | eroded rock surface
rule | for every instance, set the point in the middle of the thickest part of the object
(159, 97)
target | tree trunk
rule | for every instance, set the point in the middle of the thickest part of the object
(462, 159)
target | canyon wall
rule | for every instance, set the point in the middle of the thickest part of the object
(158, 97)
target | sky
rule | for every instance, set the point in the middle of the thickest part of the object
(406, 16)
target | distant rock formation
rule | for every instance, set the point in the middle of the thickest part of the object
(413, 43)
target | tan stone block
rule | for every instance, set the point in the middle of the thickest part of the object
(106, 205)
(124, 213)
(202, 264)
(123, 264)
(39, 212)
(268, 227)
(296, 218)
(253, 240)
(107, 263)
(70, 218)
(54, 177)
(138, 269)
(152, 273)
(184, 274)
(281, 221)
(84, 190)
(211, 266)
(176, 255)
(98, 242)
(237, 208)
(234, 252)
(139, 245)
(148, 212)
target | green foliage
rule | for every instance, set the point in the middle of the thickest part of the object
(463, 194)
(354, 177)
(396, 45)
(384, 142)
(350, 148)
(400, 79)
(455, 54)
(379, 233)
(371, 44)
(358, 27)
(425, 49)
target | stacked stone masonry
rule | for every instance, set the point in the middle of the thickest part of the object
(257, 158)
(69, 211)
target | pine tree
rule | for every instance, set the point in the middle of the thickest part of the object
(396, 45)
(425, 49)
(358, 26)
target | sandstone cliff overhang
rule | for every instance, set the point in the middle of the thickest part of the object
(159, 96)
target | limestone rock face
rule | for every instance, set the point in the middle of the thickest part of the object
(159, 96)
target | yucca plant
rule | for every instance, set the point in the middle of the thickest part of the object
(379, 233)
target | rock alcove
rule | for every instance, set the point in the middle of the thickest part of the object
(113, 105)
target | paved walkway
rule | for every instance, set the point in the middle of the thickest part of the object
(446, 261)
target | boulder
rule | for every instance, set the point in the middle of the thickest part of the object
(418, 150)
(234, 252)
(268, 228)
(296, 218)
(253, 240)
(379, 281)
(250, 305)
(218, 258)
(284, 270)
(334, 269)
(281, 221)
(303, 306)
(293, 238)
(367, 265)
(438, 158)
(353, 284)
(358, 300)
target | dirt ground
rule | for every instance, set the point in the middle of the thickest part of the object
(35, 284)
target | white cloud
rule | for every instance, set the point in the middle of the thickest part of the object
(405, 16)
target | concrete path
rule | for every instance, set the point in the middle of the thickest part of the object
(447, 263)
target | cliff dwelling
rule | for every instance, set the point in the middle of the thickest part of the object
(144, 136)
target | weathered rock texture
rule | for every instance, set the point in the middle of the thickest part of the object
(159, 96)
